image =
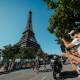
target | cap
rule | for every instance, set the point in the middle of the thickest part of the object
(72, 32)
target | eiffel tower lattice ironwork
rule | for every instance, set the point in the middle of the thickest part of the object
(28, 39)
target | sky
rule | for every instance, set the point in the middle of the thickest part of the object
(13, 19)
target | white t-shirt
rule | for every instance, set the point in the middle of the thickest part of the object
(77, 43)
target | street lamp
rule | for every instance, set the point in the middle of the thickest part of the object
(37, 57)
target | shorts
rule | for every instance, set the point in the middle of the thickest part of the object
(33, 65)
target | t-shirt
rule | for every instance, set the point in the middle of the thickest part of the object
(77, 43)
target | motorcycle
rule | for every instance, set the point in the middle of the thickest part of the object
(56, 69)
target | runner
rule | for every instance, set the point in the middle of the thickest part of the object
(37, 65)
(44, 62)
(33, 65)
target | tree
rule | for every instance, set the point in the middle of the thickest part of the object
(28, 52)
(32, 52)
(7, 52)
(69, 4)
(63, 20)
(40, 53)
(45, 55)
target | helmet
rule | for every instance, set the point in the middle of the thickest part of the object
(55, 57)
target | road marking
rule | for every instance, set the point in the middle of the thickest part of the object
(16, 77)
(43, 78)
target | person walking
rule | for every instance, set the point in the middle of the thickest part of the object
(5, 66)
(33, 65)
(10, 66)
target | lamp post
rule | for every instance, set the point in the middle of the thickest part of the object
(37, 57)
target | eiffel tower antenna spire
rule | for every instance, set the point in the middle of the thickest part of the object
(29, 23)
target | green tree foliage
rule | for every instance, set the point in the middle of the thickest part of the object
(64, 18)
(27, 52)
(69, 4)
(45, 55)
(32, 52)
(15, 51)
(7, 52)
(40, 53)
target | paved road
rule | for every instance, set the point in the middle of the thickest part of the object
(28, 74)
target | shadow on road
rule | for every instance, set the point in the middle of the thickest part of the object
(67, 74)
(66, 63)
(46, 70)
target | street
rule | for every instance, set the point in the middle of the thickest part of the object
(28, 74)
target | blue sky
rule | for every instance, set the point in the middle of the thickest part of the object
(13, 20)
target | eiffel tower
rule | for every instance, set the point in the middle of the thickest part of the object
(28, 39)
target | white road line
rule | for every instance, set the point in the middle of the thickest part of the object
(43, 78)
(16, 77)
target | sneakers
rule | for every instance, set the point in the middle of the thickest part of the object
(38, 72)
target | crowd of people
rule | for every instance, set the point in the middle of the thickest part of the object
(18, 65)
(74, 54)
(10, 66)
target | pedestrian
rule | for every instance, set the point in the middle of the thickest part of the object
(33, 65)
(10, 65)
(5, 66)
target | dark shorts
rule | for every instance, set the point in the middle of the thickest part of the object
(33, 65)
